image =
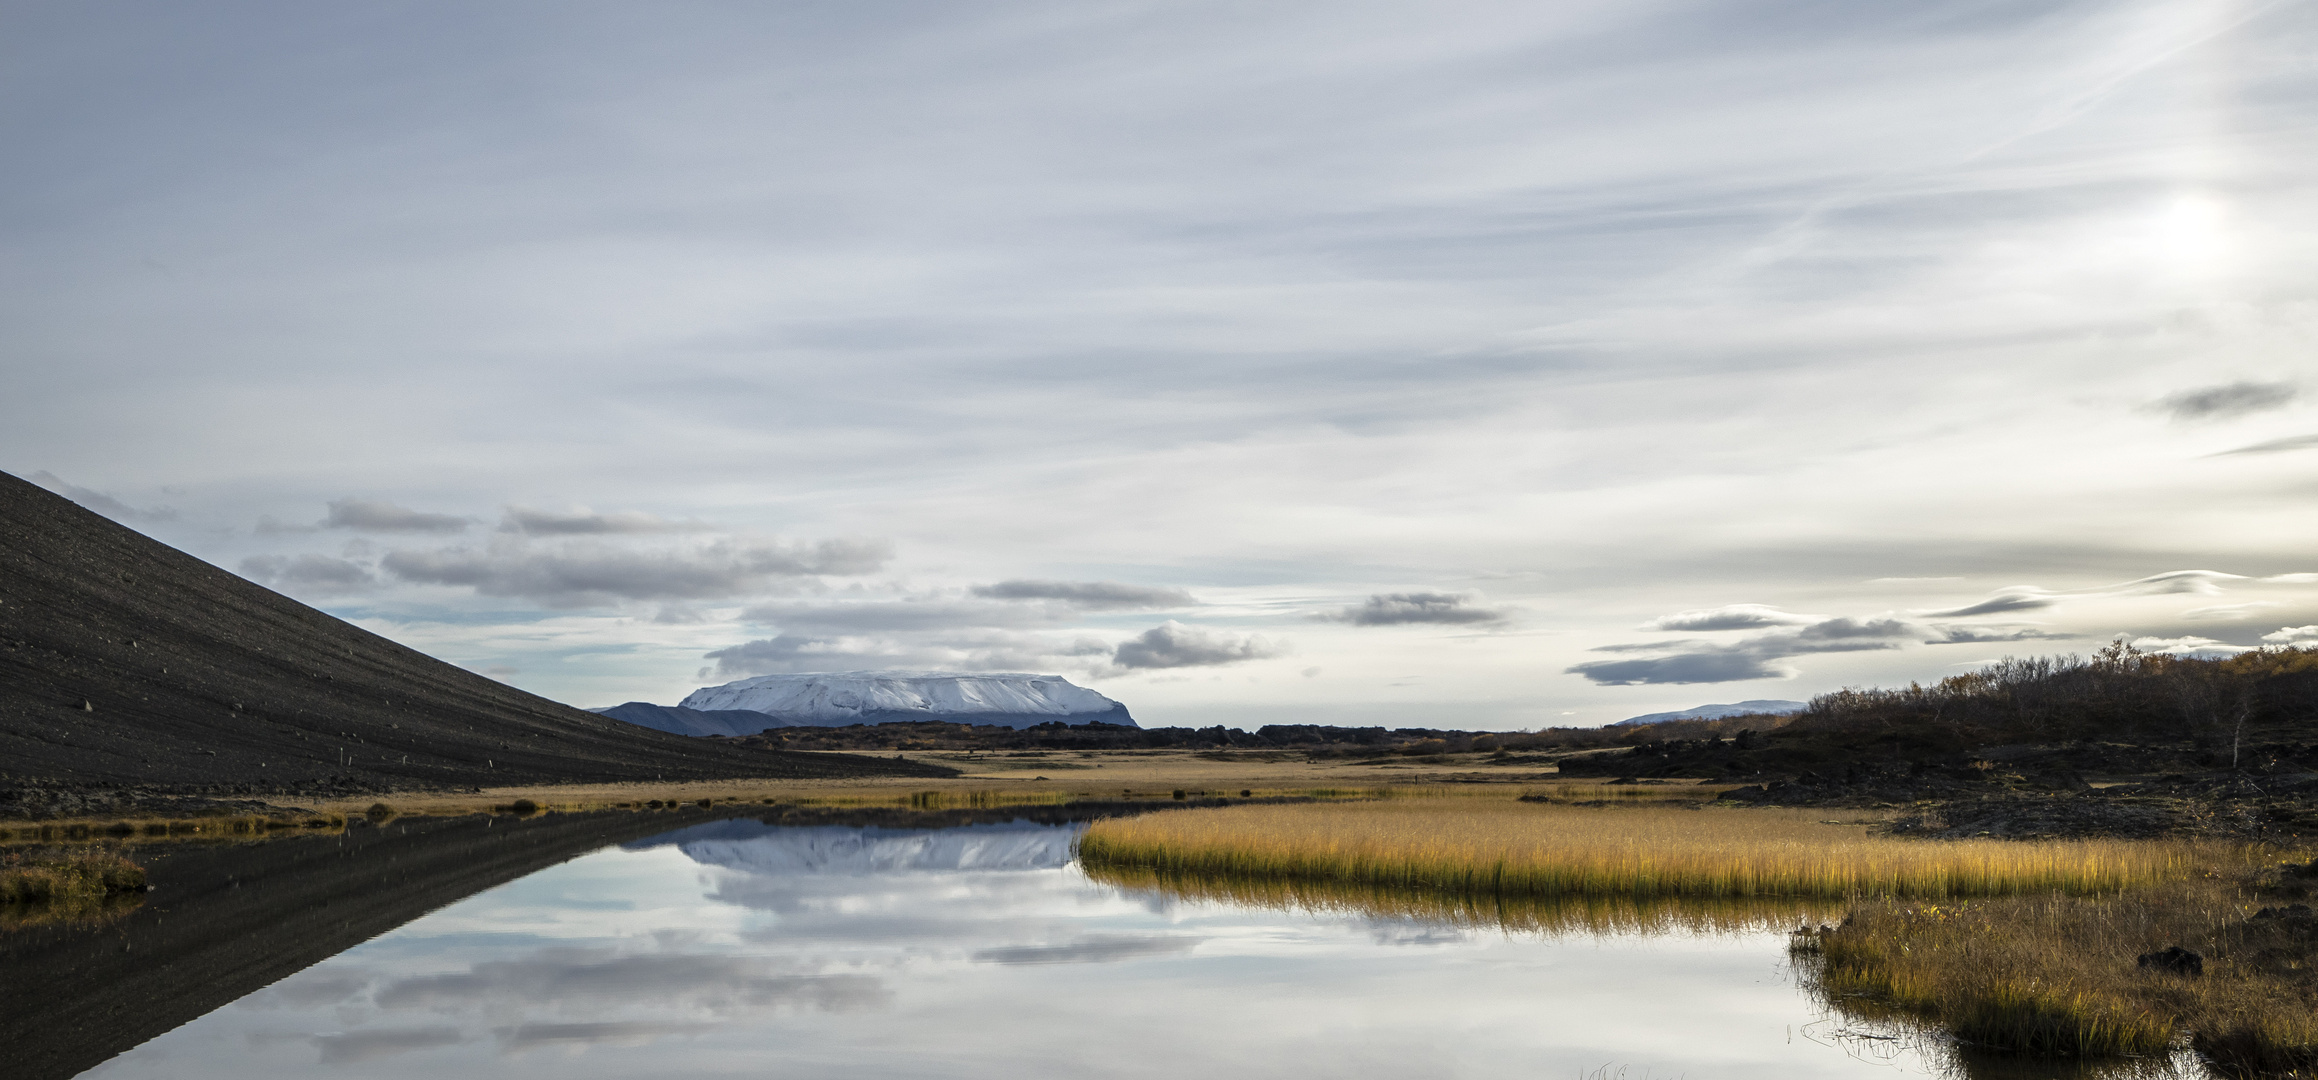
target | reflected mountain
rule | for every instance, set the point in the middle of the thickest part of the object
(756, 847)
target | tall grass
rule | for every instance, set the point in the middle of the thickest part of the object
(1552, 916)
(66, 886)
(1525, 849)
(2056, 975)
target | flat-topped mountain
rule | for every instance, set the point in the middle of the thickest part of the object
(124, 661)
(843, 698)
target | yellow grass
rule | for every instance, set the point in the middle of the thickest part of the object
(1553, 916)
(66, 886)
(2056, 975)
(1506, 848)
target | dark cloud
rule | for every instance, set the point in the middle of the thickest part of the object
(1096, 949)
(1751, 658)
(583, 522)
(1701, 667)
(1174, 645)
(1398, 609)
(101, 502)
(2274, 446)
(581, 576)
(1727, 617)
(2226, 401)
(353, 1046)
(306, 573)
(1101, 595)
(370, 515)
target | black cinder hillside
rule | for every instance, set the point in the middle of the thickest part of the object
(125, 663)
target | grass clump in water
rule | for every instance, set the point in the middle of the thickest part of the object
(1527, 849)
(66, 886)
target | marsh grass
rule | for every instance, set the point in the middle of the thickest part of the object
(2056, 975)
(1507, 848)
(69, 885)
(1551, 916)
(149, 830)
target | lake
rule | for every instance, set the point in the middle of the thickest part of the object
(739, 947)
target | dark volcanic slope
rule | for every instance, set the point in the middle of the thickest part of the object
(124, 661)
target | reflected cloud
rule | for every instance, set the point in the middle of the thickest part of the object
(1100, 949)
(353, 1046)
(615, 1033)
(564, 976)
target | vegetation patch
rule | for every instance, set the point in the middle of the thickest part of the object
(1526, 849)
(2202, 961)
(70, 885)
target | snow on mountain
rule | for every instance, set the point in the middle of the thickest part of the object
(835, 699)
(1717, 712)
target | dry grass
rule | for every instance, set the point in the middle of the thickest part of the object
(2056, 975)
(1505, 848)
(1552, 916)
(74, 885)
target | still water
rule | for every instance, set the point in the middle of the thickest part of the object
(738, 948)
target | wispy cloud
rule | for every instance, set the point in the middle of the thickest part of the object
(1095, 595)
(579, 575)
(1727, 617)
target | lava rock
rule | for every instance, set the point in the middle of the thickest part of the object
(2173, 960)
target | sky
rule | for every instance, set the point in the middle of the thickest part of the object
(1456, 364)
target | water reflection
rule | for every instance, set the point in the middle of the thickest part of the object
(747, 948)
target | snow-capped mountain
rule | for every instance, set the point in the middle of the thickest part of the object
(1717, 712)
(835, 699)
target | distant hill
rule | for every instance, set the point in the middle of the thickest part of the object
(1717, 712)
(678, 720)
(126, 662)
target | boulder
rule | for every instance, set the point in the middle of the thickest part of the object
(2173, 960)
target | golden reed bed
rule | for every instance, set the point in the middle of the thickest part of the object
(1525, 849)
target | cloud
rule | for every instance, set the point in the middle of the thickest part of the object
(877, 615)
(2293, 635)
(2229, 611)
(1398, 609)
(1749, 658)
(1101, 595)
(579, 576)
(583, 522)
(370, 515)
(2274, 446)
(2199, 582)
(1682, 668)
(2016, 598)
(313, 574)
(1965, 635)
(100, 502)
(2226, 401)
(1174, 645)
(2187, 646)
(1095, 949)
(989, 650)
(1727, 617)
